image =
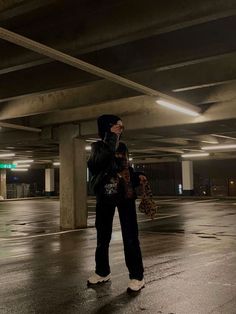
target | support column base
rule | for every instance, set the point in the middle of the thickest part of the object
(188, 192)
(50, 193)
(73, 228)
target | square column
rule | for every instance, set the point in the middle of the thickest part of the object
(49, 182)
(3, 184)
(73, 185)
(187, 177)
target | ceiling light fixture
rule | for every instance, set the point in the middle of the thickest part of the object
(23, 161)
(209, 142)
(92, 140)
(56, 164)
(195, 155)
(178, 108)
(88, 148)
(23, 166)
(224, 136)
(217, 147)
(20, 169)
(7, 155)
(192, 150)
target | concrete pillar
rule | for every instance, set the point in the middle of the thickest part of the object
(73, 185)
(187, 177)
(49, 182)
(3, 184)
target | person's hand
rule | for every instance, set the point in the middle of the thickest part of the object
(117, 129)
(142, 179)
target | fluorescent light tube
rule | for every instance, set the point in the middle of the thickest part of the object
(178, 108)
(195, 155)
(56, 164)
(23, 161)
(92, 140)
(209, 142)
(20, 169)
(224, 136)
(7, 155)
(23, 166)
(216, 147)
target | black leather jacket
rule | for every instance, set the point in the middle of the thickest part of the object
(103, 164)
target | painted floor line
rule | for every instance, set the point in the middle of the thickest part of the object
(40, 235)
(159, 218)
(202, 201)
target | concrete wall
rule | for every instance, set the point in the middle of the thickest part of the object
(163, 177)
(211, 177)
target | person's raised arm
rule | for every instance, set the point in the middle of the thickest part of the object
(103, 152)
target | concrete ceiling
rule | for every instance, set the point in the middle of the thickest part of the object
(184, 49)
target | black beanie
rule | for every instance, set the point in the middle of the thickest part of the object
(105, 122)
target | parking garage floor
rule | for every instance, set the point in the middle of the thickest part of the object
(189, 253)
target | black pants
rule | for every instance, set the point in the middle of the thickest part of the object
(105, 210)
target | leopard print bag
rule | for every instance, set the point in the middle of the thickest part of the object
(147, 205)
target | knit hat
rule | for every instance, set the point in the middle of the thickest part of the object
(105, 122)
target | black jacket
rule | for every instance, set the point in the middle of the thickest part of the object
(103, 164)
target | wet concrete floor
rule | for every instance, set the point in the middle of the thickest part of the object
(189, 254)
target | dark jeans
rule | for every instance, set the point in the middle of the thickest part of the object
(128, 219)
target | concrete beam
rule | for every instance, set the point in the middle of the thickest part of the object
(16, 8)
(182, 51)
(204, 57)
(103, 29)
(56, 102)
(150, 160)
(19, 127)
(154, 119)
(129, 106)
(224, 91)
(159, 118)
(24, 66)
(132, 108)
(193, 76)
(9, 5)
(61, 77)
(80, 64)
(188, 79)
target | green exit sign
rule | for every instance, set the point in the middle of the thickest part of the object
(7, 166)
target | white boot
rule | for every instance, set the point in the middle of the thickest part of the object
(95, 279)
(135, 285)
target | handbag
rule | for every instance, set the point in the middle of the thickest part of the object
(147, 205)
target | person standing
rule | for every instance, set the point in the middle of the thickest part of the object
(113, 182)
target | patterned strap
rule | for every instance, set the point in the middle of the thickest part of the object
(146, 190)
